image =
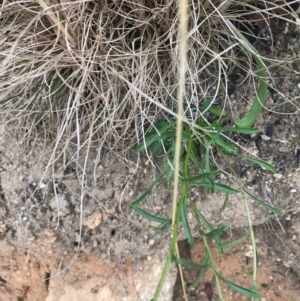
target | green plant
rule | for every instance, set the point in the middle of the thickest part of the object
(291, 48)
(196, 170)
(187, 148)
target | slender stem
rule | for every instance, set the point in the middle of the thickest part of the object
(208, 251)
(254, 287)
(254, 274)
(171, 251)
(214, 268)
(181, 273)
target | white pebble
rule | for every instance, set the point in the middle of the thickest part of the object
(265, 137)
(42, 185)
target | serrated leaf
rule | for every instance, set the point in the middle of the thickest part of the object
(196, 161)
(215, 232)
(211, 228)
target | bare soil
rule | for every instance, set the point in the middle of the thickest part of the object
(276, 280)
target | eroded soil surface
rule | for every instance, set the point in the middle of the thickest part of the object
(276, 281)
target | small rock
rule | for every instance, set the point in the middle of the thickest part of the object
(42, 185)
(277, 175)
(265, 137)
(151, 242)
(93, 220)
(60, 203)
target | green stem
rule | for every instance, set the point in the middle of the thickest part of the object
(254, 274)
(171, 251)
(254, 286)
(189, 149)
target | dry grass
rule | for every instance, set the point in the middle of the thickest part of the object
(96, 73)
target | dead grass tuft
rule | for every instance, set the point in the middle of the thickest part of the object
(98, 72)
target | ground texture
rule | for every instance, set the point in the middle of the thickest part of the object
(116, 255)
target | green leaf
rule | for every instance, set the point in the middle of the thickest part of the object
(206, 184)
(218, 111)
(170, 175)
(157, 148)
(227, 147)
(206, 104)
(261, 163)
(151, 217)
(166, 164)
(143, 196)
(214, 186)
(225, 188)
(235, 242)
(242, 290)
(153, 136)
(267, 206)
(190, 264)
(249, 131)
(215, 232)
(161, 125)
(211, 228)
(224, 204)
(205, 263)
(215, 139)
(260, 99)
(195, 160)
(207, 159)
(185, 222)
(165, 227)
